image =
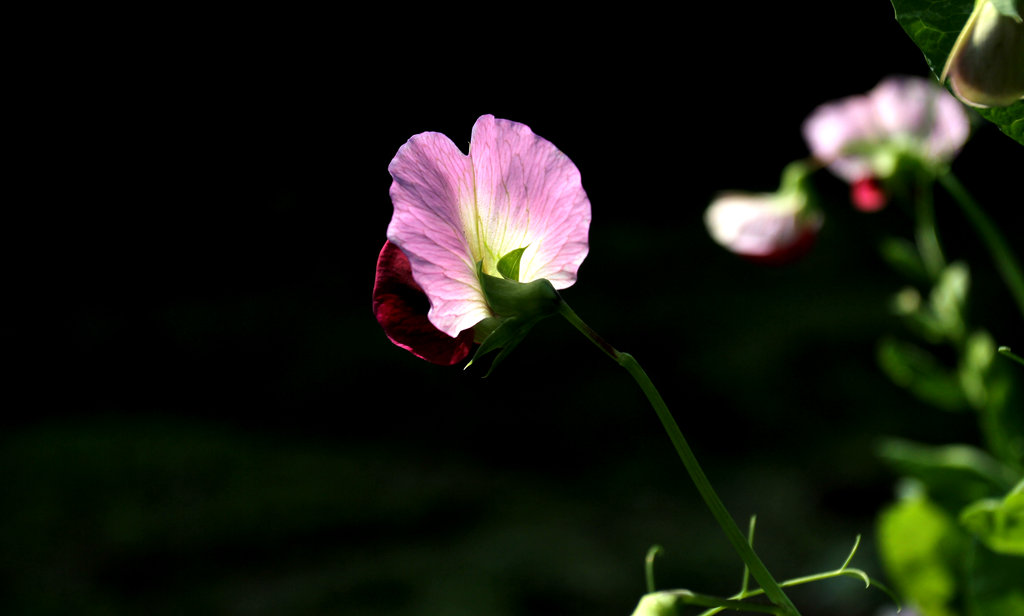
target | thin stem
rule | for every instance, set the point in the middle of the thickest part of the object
(927, 237)
(718, 603)
(997, 245)
(757, 568)
(649, 567)
(807, 579)
(745, 582)
(1006, 352)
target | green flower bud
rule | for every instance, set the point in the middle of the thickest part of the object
(656, 604)
(986, 66)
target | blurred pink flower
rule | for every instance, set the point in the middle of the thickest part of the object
(771, 228)
(515, 190)
(863, 137)
(775, 227)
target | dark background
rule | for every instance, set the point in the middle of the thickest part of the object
(203, 416)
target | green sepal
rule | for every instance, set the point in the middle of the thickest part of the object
(509, 333)
(517, 307)
(508, 298)
(508, 266)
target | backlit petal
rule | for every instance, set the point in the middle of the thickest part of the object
(528, 194)
(432, 178)
(514, 190)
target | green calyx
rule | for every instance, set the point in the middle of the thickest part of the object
(517, 307)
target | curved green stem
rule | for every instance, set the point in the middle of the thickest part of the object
(998, 247)
(807, 579)
(757, 568)
(649, 567)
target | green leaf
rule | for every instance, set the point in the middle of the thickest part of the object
(508, 266)
(902, 256)
(1010, 119)
(917, 370)
(998, 523)
(1001, 421)
(975, 363)
(922, 547)
(933, 25)
(994, 582)
(948, 299)
(954, 475)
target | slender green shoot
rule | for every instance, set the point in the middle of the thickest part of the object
(649, 566)
(1006, 352)
(844, 570)
(725, 520)
(750, 541)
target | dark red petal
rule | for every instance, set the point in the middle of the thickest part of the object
(796, 249)
(401, 309)
(868, 195)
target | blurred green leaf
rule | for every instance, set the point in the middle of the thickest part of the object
(921, 548)
(998, 523)
(994, 582)
(954, 475)
(1001, 420)
(901, 254)
(917, 370)
(948, 299)
(933, 25)
(975, 363)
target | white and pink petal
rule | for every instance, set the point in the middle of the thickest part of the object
(451, 211)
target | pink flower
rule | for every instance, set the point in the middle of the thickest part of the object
(772, 228)
(864, 137)
(513, 191)
(766, 227)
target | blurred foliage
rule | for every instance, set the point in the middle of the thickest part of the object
(922, 549)
(952, 542)
(999, 523)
